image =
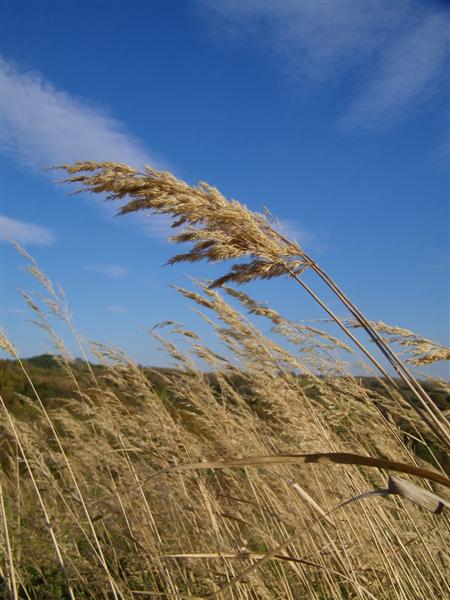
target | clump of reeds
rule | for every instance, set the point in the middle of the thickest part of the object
(169, 526)
(257, 478)
(221, 230)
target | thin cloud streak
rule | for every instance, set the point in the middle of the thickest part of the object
(395, 53)
(43, 126)
(25, 233)
(117, 309)
(110, 271)
(407, 75)
(293, 230)
(17, 311)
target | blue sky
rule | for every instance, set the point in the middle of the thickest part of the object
(333, 114)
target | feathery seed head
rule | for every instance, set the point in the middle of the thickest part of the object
(423, 351)
(219, 229)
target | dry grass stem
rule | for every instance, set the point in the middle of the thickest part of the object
(253, 469)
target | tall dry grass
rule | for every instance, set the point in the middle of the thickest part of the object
(200, 482)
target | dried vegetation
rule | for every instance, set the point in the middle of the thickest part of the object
(261, 475)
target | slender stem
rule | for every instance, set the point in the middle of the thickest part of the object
(397, 364)
(363, 349)
(13, 586)
(114, 587)
(47, 520)
(440, 429)
(343, 327)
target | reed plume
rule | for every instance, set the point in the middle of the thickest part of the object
(221, 230)
(421, 350)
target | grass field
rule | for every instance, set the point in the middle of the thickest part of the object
(121, 481)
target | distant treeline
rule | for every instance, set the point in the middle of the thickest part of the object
(51, 379)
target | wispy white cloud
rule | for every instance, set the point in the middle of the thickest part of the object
(43, 126)
(25, 233)
(116, 309)
(293, 230)
(315, 38)
(407, 74)
(393, 55)
(111, 271)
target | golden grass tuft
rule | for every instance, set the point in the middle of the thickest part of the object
(265, 474)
